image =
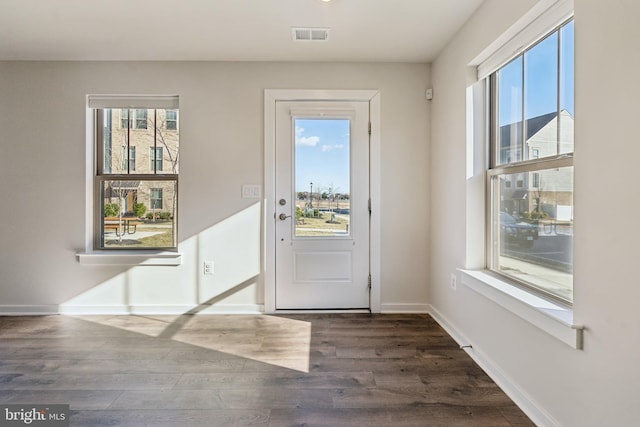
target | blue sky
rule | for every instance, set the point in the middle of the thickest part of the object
(322, 152)
(322, 145)
(540, 65)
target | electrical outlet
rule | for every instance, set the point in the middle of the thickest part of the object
(453, 281)
(208, 267)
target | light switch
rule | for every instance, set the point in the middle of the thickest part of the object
(251, 191)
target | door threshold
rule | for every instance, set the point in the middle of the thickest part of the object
(322, 311)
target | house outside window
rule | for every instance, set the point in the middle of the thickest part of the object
(141, 119)
(135, 203)
(124, 118)
(172, 120)
(129, 160)
(156, 198)
(530, 227)
(155, 155)
(535, 179)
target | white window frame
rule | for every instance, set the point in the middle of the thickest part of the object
(555, 319)
(91, 254)
(521, 167)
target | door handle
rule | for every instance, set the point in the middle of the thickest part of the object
(283, 216)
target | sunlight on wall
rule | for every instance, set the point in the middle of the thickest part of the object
(234, 246)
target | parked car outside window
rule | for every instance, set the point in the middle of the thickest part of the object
(515, 231)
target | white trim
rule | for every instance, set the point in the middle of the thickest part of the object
(94, 310)
(233, 309)
(404, 308)
(530, 407)
(169, 102)
(123, 310)
(130, 258)
(271, 96)
(111, 101)
(28, 310)
(375, 184)
(313, 311)
(553, 319)
(535, 24)
(90, 168)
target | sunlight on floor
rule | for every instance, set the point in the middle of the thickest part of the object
(267, 339)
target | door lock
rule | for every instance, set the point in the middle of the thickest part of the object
(283, 216)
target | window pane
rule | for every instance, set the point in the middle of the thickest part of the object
(155, 198)
(322, 177)
(141, 119)
(171, 119)
(541, 97)
(532, 230)
(115, 141)
(531, 223)
(130, 159)
(566, 88)
(156, 159)
(510, 92)
(157, 148)
(167, 143)
(138, 214)
(124, 119)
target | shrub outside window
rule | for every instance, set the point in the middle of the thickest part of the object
(136, 202)
(530, 228)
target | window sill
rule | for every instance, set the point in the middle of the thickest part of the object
(552, 318)
(130, 258)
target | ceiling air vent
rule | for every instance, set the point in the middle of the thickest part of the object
(310, 34)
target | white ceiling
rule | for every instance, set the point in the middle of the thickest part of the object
(228, 30)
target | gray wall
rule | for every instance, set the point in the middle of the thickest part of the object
(596, 386)
(43, 180)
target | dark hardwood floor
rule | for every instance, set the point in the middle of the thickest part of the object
(244, 370)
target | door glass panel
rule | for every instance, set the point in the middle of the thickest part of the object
(322, 174)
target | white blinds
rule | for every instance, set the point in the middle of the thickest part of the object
(535, 24)
(169, 102)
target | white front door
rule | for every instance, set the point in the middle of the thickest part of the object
(322, 205)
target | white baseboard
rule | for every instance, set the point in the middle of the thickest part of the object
(534, 411)
(117, 310)
(121, 310)
(233, 309)
(404, 308)
(28, 310)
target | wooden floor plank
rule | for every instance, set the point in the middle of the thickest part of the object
(249, 370)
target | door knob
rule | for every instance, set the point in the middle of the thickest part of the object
(283, 216)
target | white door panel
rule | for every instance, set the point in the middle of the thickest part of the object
(322, 198)
(310, 267)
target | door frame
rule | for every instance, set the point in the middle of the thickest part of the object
(271, 96)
